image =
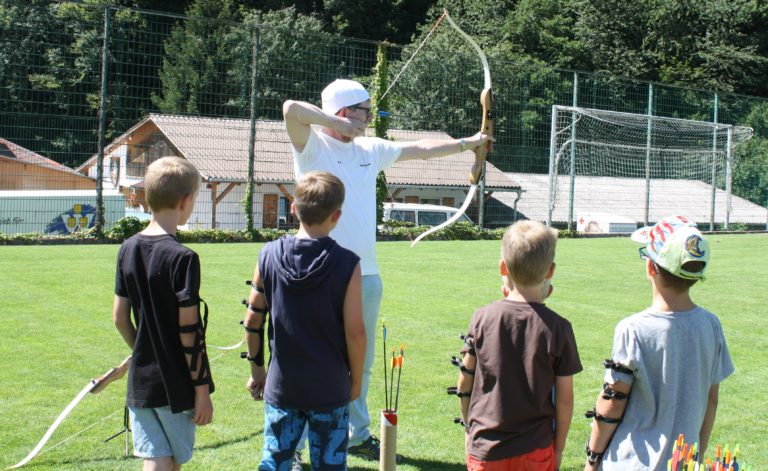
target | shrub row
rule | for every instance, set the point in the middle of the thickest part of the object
(128, 226)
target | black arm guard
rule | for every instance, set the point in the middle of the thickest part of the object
(197, 351)
(609, 363)
(454, 391)
(469, 342)
(457, 362)
(593, 414)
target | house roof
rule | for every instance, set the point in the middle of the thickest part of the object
(218, 147)
(625, 197)
(14, 152)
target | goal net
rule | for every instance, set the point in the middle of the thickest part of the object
(639, 168)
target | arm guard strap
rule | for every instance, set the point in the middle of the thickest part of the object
(593, 414)
(457, 362)
(454, 391)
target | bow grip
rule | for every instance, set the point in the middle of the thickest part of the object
(476, 172)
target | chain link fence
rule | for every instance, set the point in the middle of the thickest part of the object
(90, 96)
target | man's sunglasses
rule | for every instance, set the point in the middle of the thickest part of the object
(361, 108)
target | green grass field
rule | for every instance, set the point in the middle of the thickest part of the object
(56, 331)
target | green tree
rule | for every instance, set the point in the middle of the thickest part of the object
(205, 67)
(750, 177)
(707, 44)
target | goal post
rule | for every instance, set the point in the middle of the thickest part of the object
(639, 166)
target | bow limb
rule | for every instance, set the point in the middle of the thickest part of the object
(93, 386)
(486, 101)
(454, 218)
(486, 127)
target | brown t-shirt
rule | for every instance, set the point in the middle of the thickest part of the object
(520, 348)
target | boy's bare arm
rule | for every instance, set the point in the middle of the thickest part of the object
(354, 331)
(563, 413)
(255, 318)
(465, 383)
(189, 317)
(709, 418)
(121, 317)
(602, 431)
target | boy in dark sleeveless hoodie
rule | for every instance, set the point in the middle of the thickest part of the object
(311, 286)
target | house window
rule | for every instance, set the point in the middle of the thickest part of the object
(114, 171)
(411, 199)
(430, 201)
(142, 154)
(449, 201)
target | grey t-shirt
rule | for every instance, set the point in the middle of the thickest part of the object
(676, 358)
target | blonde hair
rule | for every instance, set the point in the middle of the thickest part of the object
(528, 251)
(318, 195)
(168, 180)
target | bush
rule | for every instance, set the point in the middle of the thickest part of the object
(125, 228)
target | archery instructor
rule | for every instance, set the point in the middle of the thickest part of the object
(332, 139)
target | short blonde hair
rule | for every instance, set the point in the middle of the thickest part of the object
(318, 195)
(168, 180)
(528, 251)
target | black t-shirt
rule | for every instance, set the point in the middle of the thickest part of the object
(159, 275)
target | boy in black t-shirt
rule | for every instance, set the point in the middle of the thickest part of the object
(169, 381)
(518, 354)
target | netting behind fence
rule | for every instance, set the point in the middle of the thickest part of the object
(637, 168)
(212, 91)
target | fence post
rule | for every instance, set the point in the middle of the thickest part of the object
(728, 159)
(102, 128)
(575, 102)
(552, 152)
(714, 170)
(648, 144)
(249, 186)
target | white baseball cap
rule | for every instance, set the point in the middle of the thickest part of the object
(341, 93)
(673, 242)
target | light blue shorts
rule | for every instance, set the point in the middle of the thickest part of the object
(157, 432)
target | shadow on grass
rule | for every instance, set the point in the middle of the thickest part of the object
(214, 446)
(423, 464)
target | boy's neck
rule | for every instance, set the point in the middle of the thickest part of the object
(530, 294)
(314, 231)
(666, 300)
(162, 222)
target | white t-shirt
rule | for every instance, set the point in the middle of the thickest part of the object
(356, 164)
(676, 358)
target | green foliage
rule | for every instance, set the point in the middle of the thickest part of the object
(125, 228)
(380, 123)
(207, 56)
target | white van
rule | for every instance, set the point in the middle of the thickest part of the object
(420, 214)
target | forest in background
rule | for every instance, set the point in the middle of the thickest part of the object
(709, 45)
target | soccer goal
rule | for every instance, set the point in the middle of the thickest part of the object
(640, 167)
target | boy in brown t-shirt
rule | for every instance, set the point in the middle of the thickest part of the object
(516, 379)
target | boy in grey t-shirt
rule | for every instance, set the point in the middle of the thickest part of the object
(667, 363)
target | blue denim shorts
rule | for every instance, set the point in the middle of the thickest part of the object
(157, 432)
(327, 437)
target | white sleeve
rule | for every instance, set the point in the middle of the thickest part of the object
(387, 153)
(310, 152)
(624, 348)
